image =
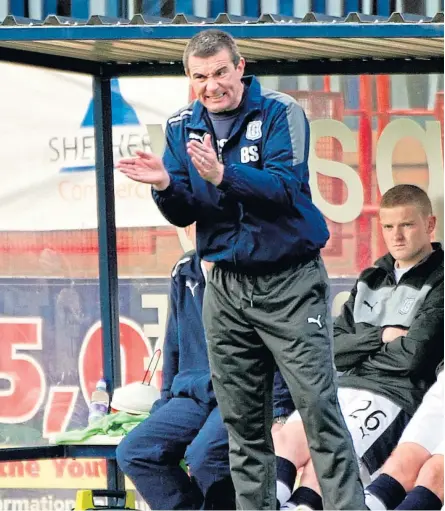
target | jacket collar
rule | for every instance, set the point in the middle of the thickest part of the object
(387, 261)
(252, 102)
(191, 266)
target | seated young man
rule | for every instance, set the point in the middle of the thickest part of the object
(388, 340)
(185, 423)
(412, 477)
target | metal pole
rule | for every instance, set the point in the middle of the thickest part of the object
(109, 303)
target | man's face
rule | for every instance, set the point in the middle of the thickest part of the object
(216, 81)
(407, 233)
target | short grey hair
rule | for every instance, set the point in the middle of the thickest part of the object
(208, 43)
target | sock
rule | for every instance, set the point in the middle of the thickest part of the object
(293, 507)
(421, 498)
(286, 475)
(387, 490)
(304, 498)
(373, 503)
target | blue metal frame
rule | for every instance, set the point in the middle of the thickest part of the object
(247, 31)
(80, 9)
(383, 8)
(17, 7)
(113, 8)
(252, 9)
(351, 6)
(286, 7)
(217, 6)
(151, 7)
(109, 301)
(107, 228)
(184, 6)
(319, 5)
(48, 7)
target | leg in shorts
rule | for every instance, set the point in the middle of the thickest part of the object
(375, 424)
(427, 425)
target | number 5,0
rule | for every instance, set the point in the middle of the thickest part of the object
(24, 395)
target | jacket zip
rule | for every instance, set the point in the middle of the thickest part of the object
(209, 126)
(241, 213)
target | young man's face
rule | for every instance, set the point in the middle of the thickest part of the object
(216, 81)
(407, 233)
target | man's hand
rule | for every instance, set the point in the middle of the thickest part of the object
(392, 332)
(205, 160)
(145, 168)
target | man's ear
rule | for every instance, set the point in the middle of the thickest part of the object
(432, 221)
(241, 65)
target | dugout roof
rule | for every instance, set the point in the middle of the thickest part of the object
(314, 44)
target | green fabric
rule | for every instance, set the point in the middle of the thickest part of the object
(114, 424)
(184, 466)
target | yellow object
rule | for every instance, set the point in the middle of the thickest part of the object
(85, 499)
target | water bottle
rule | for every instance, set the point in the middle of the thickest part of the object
(100, 401)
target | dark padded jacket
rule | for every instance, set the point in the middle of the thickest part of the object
(404, 369)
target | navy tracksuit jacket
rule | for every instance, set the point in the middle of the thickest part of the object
(185, 423)
(261, 217)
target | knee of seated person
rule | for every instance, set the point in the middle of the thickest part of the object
(432, 470)
(202, 462)
(291, 443)
(197, 459)
(132, 447)
(124, 455)
(405, 463)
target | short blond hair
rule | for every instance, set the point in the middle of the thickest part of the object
(407, 195)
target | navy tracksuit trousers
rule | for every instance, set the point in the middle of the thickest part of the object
(181, 429)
